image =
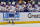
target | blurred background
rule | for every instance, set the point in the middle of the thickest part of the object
(16, 0)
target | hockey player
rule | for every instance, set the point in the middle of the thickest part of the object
(21, 7)
(8, 6)
(1, 7)
(12, 11)
(4, 7)
(12, 8)
(17, 7)
(29, 7)
(33, 4)
(36, 8)
(24, 6)
(39, 6)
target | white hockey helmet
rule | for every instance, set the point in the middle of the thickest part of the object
(13, 3)
(24, 2)
(1, 2)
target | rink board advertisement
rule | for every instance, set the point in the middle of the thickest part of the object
(20, 18)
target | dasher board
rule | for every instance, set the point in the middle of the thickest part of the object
(21, 17)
